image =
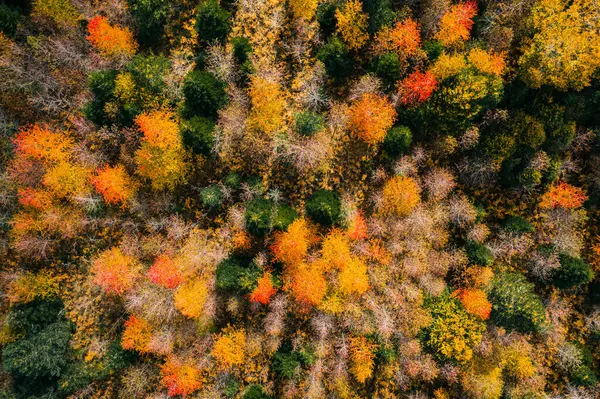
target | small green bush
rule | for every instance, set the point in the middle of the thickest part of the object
(516, 224)
(241, 49)
(9, 19)
(233, 180)
(336, 58)
(285, 364)
(284, 216)
(326, 17)
(397, 140)
(308, 123)
(387, 68)
(324, 207)
(479, 254)
(151, 17)
(233, 276)
(198, 134)
(433, 49)
(514, 304)
(259, 216)
(255, 391)
(204, 94)
(572, 272)
(584, 376)
(212, 22)
(211, 197)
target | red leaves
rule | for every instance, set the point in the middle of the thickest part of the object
(417, 88)
(164, 272)
(563, 195)
(264, 291)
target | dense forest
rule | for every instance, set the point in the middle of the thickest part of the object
(277, 199)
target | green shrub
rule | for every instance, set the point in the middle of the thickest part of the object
(308, 123)
(479, 254)
(514, 304)
(324, 207)
(380, 14)
(284, 216)
(285, 364)
(397, 140)
(233, 276)
(326, 17)
(232, 386)
(198, 135)
(259, 216)
(211, 197)
(433, 49)
(212, 22)
(255, 391)
(149, 72)
(241, 49)
(572, 272)
(233, 180)
(9, 19)
(584, 376)
(336, 58)
(387, 68)
(516, 224)
(560, 138)
(204, 94)
(151, 17)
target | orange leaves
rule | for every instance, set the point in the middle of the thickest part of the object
(475, 302)
(290, 247)
(137, 334)
(230, 348)
(264, 290)
(111, 41)
(67, 179)
(485, 62)
(401, 194)
(191, 297)
(34, 198)
(563, 195)
(308, 284)
(164, 272)
(353, 278)
(114, 184)
(357, 230)
(456, 24)
(268, 106)
(181, 377)
(161, 155)
(39, 143)
(404, 39)
(362, 355)
(416, 88)
(371, 117)
(335, 250)
(114, 271)
(352, 24)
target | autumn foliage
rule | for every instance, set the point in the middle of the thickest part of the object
(357, 230)
(352, 24)
(165, 272)
(40, 143)
(401, 194)
(307, 283)
(404, 39)
(291, 246)
(114, 184)
(456, 24)
(137, 334)
(563, 195)
(230, 348)
(114, 271)
(111, 41)
(417, 88)
(475, 302)
(264, 290)
(180, 377)
(362, 355)
(191, 297)
(371, 117)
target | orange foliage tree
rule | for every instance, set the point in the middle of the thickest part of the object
(161, 155)
(353, 278)
(268, 106)
(563, 195)
(164, 272)
(307, 283)
(181, 377)
(357, 230)
(291, 246)
(264, 290)
(335, 250)
(475, 302)
(114, 184)
(137, 334)
(110, 41)
(404, 39)
(486, 62)
(230, 348)
(67, 180)
(34, 198)
(416, 88)
(362, 356)
(371, 117)
(40, 143)
(191, 297)
(401, 194)
(114, 271)
(456, 24)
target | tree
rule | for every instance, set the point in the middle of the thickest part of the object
(308, 123)
(456, 23)
(572, 272)
(212, 22)
(165, 272)
(114, 271)
(111, 41)
(151, 17)
(324, 206)
(268, 101)
(198, 134)
(565, 49)
(180, 376)
(352, 24)
(114, 184)
(417, 88)
(371, 116)
(160, 157)
(191, 296)
(453, 332)
(397, 140)
(475, 302)
(563, 195)
(40, 143)
(307, 283)
(137, 334)
(229, 348)
(401, 194)
(264, 290)
(204, 94)
(362, 355)
(67, 180)
(357, 230)
(291, 246)
(404, 39)
(353, 278)
(304, 9)
(9, 20)
(486, 62)
(514, 304)
(258, 215)
(335, 57)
